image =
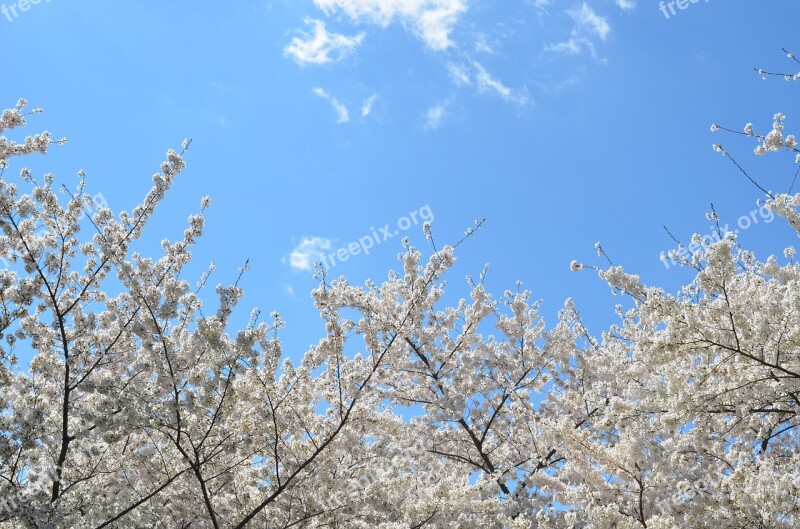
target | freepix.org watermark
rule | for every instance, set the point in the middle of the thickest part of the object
(669, 8)
(13, 11)
(375, 237)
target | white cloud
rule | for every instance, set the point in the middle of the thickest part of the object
(591, 21)
(366, 108)
(588, 25)
(459, 74)
(573, 46)
(432, 20)
(487, 83)
(321, 47)
(627, 5)
(434, 116)
(341, 110)
(482, 44)
(463, 75)
(309, 250)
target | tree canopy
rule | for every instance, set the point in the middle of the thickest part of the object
(144, 407)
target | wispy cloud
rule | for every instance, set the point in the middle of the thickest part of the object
(341, 110)
(366, 107)
(432, 20)
(321, 46)
(573, 46)
(588, 25)
(626, 5)
(585, 17)
(459, 73)
(435, 115)
(487, 83)
(310, 250)
(477, 75)
(482, 44)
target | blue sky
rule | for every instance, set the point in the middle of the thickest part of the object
(562, 123)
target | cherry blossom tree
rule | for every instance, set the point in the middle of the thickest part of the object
(144, 406)
(141, 408)
(690, 406)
